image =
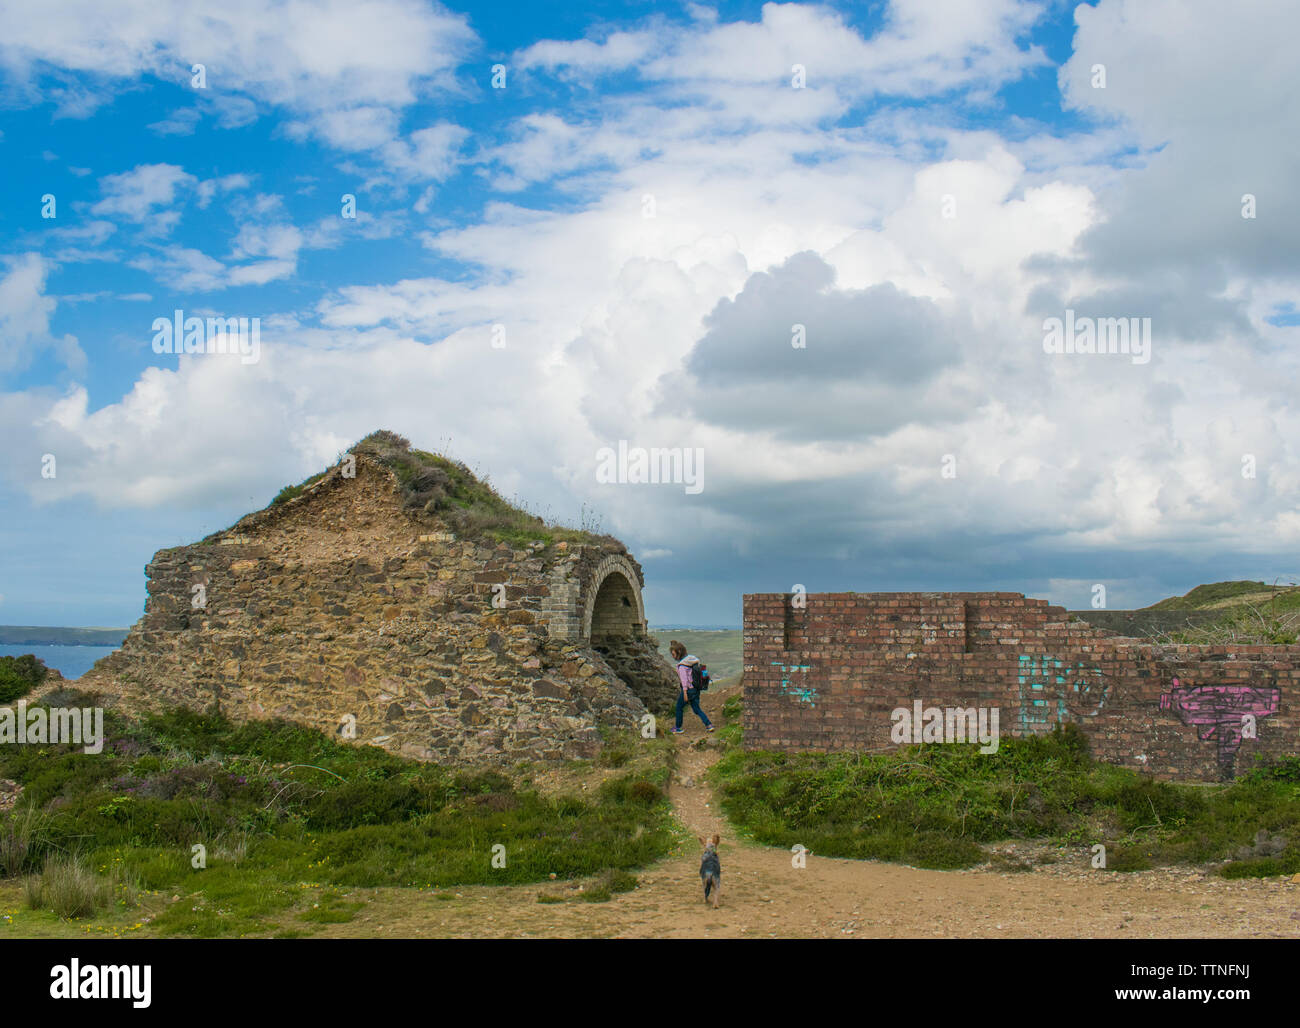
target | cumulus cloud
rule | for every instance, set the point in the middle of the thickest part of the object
(1212, 139)
(794, 356)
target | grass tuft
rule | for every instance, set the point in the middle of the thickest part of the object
(71, 890)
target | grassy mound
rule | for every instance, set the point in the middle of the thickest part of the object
(436, 485)
(935, 806)
(281, 814)
(1208, 595)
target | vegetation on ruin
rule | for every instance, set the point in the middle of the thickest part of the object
(290, 492)
(1247, 625)
(1252, 613)
(293, 823)
(938, 806)
(436, 485)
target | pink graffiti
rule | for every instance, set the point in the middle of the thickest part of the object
(1216, 712)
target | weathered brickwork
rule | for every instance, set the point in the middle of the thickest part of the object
(825, 671)
(341, 610)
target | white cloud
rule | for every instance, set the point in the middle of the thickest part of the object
(183, 268)
(618, 51)
(181, 122)
(427, 154)
(25, 313)
(745, 69)
(210, 188)
(145, 193)
(317, 58)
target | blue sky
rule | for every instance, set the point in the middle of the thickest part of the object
(651, 199)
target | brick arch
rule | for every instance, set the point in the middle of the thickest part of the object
(613, 605)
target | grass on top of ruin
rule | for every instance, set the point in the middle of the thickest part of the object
(294, 827)
(436, 485)
(939, 806)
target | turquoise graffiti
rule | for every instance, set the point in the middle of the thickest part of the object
(803, 693)
(1049, 686)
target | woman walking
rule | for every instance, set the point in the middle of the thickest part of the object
(690, 672)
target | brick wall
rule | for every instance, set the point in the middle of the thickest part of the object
(825, 671)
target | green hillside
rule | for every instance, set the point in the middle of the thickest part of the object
(1225, 595)
(1252, 613)
(721, 651)
(36, 635)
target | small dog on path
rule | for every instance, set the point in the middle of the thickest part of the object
(711, 870)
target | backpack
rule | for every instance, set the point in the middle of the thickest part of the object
(699, 677)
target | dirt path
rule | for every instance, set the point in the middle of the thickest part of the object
(765, 896)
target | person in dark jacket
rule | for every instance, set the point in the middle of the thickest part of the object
(686, 665)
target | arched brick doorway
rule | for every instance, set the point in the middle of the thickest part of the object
(613, 608)
(613, 624)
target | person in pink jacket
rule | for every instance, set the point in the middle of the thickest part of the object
(686, 665)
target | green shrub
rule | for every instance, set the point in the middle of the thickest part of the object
(615, 754)
(1282, 769)
(633, 790)
(20, 675)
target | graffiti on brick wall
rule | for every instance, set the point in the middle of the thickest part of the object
(1051, 687)
(1224, 713)
(804, 693)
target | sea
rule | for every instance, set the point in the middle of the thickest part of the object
(71, 661)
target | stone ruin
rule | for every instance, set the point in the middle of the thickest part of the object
(354, 609)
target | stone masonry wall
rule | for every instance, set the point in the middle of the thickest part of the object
(339, 610)
(827, 675)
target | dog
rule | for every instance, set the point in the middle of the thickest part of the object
(711, 871)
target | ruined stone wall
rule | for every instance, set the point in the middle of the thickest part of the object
(827, 676)
(339, 610)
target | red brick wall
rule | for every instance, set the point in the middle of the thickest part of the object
(827, 675)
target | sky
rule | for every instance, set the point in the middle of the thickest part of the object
(818, 248)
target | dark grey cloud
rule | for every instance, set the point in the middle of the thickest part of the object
(1186, 308)
(867, 358)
